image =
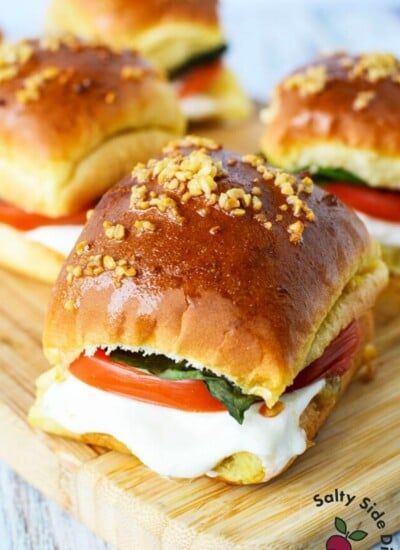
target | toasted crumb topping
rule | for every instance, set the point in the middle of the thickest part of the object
(94, 265)
(129, 72)
(144, 225)
(182, 176)
(15, 54)
(376, 66)
(296, 231)
(310, 81)
(110, 98)
(191, 175)
(114, 231)
(81, 247)
(33, 85)
(8, 73)
(13, 57)
(69, 305)
(89, 214)
(197, 174)
(191, 141)
(363, 99)
(54, 43)
(288, 186)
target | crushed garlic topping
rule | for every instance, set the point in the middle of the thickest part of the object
(33, 84)
(129, 72)
(376, 66)
(144, 225)
(363, 99)
(116, 232)
(310, 81)
(8, 73)
(15, 54)
(197, 173)
(97, 264)
(296, 231)
(81, 247)
(110, 98)
(191, 141)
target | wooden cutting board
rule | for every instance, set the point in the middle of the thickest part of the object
(132, 508)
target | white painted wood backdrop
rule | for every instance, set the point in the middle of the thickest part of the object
(268, 38)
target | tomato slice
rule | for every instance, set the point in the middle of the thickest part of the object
(199, 79)
(25, 221)
(102, 372)
(335, 361)
(106, 374)
(378, 203)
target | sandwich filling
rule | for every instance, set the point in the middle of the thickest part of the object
(378, 208)
(180, 443)
(58, 234)
(207, 89)
(164, 411)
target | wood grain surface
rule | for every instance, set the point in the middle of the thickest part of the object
(131, 507)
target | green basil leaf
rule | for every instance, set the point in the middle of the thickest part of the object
(230, 395)
(327, 174)
(198, 60)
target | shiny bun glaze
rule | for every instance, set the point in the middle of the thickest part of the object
(61, 103)
(345, 105)
(237, 292)
(168, 32)
(109, 16)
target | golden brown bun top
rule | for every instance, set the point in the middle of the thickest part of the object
(353, 101)
(211, 257)
(167, 32)
(115, 16)
(60, 99)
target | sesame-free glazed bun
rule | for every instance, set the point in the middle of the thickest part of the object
(340, 112)
(74, 119)
(239, 468)
(168, 32)
(215, 258)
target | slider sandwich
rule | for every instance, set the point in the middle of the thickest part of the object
(182, 37)
(74, 119)
(210, 316)
(339, 118)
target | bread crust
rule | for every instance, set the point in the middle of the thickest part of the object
(182, 28)
(348, 104)
(221, 291)
(232, 469)
(28, 258)
(60, 102)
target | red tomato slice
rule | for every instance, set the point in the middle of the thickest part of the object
(378, 203)
(199, 79)
(335, 361)
(102, 372)
(25, 221)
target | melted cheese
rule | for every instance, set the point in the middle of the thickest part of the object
(60, 238)
(197, 107)
(180, 443)
(387, 233)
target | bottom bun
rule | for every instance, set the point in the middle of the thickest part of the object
(241, 468)
(387, 307)
(27, 257)
(391, 257)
